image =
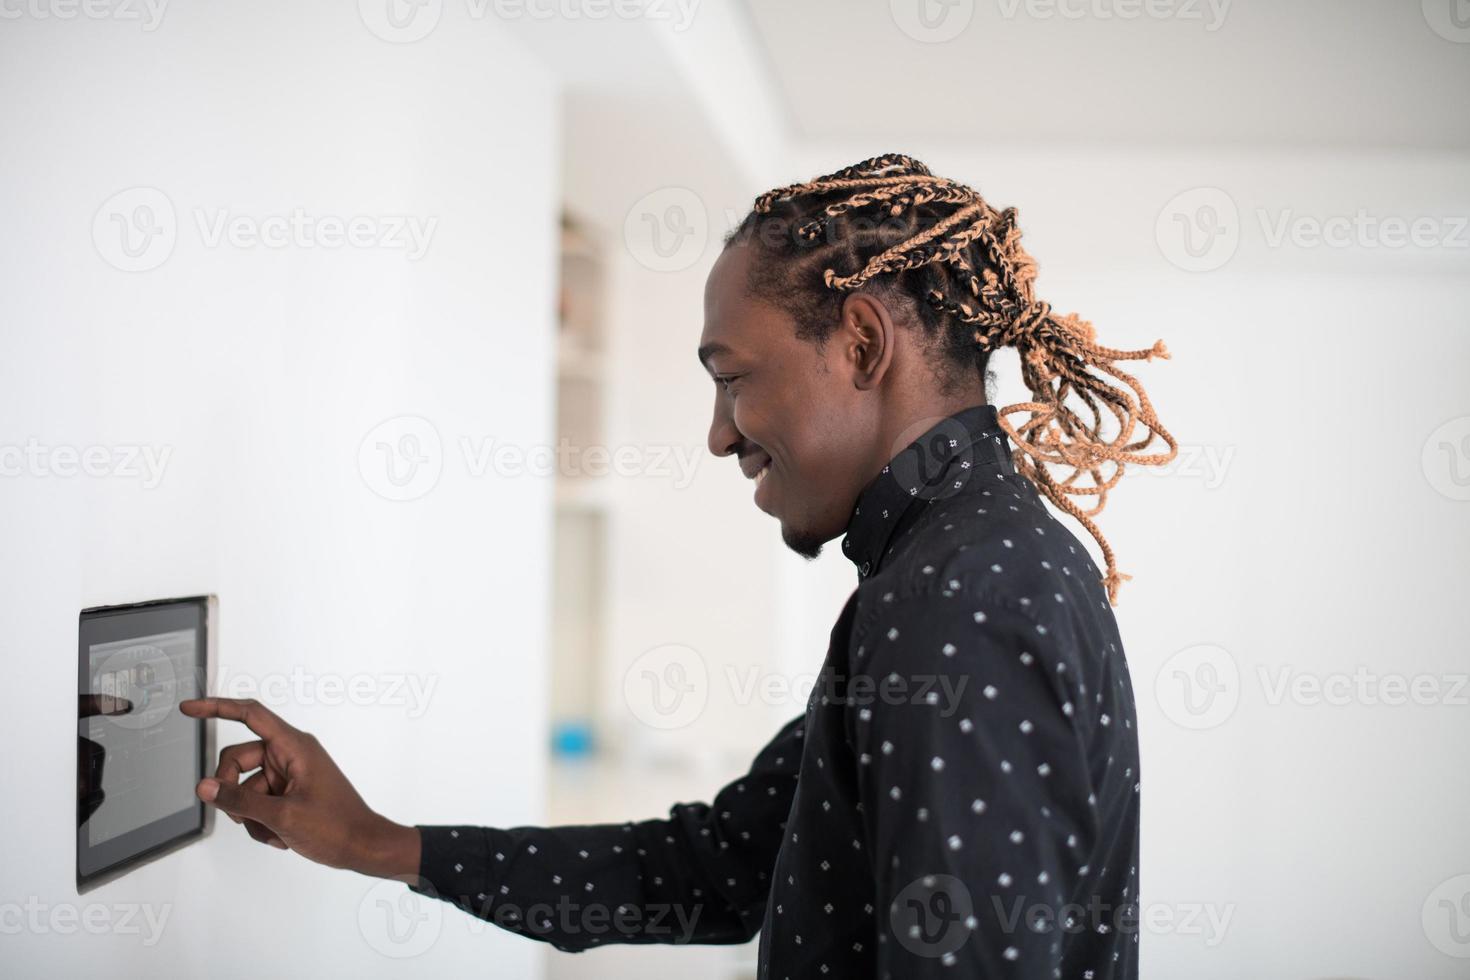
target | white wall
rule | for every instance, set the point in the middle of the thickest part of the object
(261, 370)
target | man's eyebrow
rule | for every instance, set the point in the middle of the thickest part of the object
(709, 350)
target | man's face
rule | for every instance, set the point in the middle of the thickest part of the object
(789, 411)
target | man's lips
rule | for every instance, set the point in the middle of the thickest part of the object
(755, 467)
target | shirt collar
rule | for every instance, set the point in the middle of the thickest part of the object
(936, 466)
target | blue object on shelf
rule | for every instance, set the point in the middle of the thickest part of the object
(571, 739)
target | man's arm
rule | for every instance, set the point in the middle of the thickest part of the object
(700, 876)
(976, 795)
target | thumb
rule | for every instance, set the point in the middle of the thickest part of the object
(239, 802)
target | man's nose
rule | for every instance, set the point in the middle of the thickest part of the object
(724, 438)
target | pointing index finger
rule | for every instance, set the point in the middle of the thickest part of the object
(256, 716)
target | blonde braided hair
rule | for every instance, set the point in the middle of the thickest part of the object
(971, 271)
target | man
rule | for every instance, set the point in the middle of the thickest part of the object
(960, 798)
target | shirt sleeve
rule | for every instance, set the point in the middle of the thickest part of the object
(975, 789)
(700, 876)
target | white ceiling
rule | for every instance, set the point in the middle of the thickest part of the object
(1325, 73)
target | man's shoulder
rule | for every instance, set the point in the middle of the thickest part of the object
(1006, 549)
(998, 558)
(1012, 598)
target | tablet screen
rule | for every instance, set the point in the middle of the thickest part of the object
(138, 757)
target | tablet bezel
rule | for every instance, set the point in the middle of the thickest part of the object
(145, 844)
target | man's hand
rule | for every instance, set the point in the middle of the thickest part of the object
(297, 799)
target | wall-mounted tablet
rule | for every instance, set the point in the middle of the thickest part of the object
(138, 757)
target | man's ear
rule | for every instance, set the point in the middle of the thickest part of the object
(867, 335)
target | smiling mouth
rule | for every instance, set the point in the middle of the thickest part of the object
(761, 473)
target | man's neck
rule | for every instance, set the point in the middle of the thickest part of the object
(905, 423)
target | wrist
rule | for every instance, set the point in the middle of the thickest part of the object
(392, 851)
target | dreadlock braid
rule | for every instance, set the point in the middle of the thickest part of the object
(889, 223)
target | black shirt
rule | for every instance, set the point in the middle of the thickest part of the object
(960, 798)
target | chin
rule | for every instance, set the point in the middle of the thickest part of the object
(804, 543)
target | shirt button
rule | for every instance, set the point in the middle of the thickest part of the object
(866, 566)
